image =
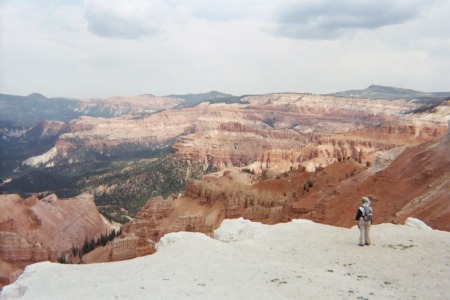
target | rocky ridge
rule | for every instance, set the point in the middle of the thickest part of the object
(28, 110)
(117, 106)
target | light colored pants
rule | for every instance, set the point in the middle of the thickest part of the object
(364, 232)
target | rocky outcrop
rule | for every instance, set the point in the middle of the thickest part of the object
(123, 248)
(143, 232)
(39, 229)
(241, 199)
(16, 249)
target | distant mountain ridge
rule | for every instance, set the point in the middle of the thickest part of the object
(28, 110)
(191, 100)
(393, 93)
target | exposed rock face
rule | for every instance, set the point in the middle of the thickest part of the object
(402, 182)
(150, 225)
(14, 248)
(285, 130)
(205, 204)
(329, 195)
(44, 129)
(34, 230)
(302, 156)
(416, 183)
(280, 130)
(123, 248)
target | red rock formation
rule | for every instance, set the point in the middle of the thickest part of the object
(295, 126)
(414, 183)
(285, 130)
(304, 156)
(34, 230)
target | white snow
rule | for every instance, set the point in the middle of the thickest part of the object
(416, 223)
(36, 161)
(296, 260)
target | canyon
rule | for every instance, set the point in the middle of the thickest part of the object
(261, 129)
(404, 182)
(276, 157)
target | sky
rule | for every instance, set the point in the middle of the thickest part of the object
(246, 260)
(101, 48)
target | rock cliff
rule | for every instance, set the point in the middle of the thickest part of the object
(280, 130)
(402, 182)
(39, 229)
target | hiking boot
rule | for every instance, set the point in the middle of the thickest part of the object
(362, 245)
(367, 244)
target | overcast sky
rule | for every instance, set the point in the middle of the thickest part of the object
(100, 48)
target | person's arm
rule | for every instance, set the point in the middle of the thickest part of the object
(358, 215)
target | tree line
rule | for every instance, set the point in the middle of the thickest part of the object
(90, 245)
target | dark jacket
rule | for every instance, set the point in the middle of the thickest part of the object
(359, 214)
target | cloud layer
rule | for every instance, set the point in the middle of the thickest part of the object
(308, 19)
(330, 19)
(113, 47)
(131, 19)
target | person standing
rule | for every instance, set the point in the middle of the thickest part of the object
(364, 220)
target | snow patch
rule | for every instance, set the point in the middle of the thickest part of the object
(36, 161)
(296, 260)
(236, 230)
(416, 223)
(302, 221)
(174, 238)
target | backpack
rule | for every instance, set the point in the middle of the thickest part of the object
(367, 213)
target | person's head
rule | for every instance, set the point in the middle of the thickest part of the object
(365, 200)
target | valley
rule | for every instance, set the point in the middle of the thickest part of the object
(186, 163)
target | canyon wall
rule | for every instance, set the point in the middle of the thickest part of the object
(281, 156)
(301, 126)
(402, 182)
(39, 229)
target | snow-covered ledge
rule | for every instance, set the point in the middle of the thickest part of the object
(42, 159)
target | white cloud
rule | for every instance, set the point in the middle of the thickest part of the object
(330, 19)
(104, 48)
(131, 19)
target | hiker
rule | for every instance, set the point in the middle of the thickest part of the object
(364, 220)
